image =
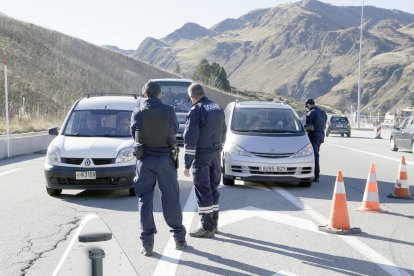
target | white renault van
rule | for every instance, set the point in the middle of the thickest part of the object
(266, 142)
(94, 147)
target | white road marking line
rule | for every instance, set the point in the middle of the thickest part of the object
(10, 171)
(283, 273)
(361, 247)
(370, 153)
(168, 263)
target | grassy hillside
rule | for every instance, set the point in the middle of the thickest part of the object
(50, 70)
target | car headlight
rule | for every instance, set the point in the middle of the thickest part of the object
(306, 151)
(235, 149)
(53, 153)
(125, 155)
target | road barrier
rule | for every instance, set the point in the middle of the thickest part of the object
(377, 128)
(402, 189)
(339, 218)
(370, 202)
(94, 251)
(25, 143)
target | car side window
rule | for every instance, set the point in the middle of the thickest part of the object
(404, 124)
(410, 124)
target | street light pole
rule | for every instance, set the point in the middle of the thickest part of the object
(6, 103)
(359, 69)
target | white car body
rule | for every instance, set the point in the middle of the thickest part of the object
(104, 161)
(277, 156)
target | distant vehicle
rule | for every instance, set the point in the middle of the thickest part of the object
(266, 142)
(338, 124)
(94, 148)
(402, 137)
(174, 92)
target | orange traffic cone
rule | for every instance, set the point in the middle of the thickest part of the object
(402, 189)
(370, 201)
(339, 219)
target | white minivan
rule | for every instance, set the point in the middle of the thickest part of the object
(266, 142)
(94, 148)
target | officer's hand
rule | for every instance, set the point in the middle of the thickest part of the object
(187, 172)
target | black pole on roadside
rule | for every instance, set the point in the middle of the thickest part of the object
(96, 256)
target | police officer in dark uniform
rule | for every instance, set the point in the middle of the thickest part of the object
(156, 125)
(316, 117)
(203, 139)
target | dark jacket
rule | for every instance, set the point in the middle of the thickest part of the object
(205, 130)
(137, 124)
(316, 117)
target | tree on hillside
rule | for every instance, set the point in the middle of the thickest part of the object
(213, 74)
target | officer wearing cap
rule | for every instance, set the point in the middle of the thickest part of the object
(316, 117)
(204, 136)
(156, 125)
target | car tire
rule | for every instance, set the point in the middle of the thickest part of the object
(348, 134)
(132, 192)
(342, 134)
(305, 184)
(393, 145)
(327, 134)
(53, 192)
(228, 181)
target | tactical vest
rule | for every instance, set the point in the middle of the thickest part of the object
(155, 127)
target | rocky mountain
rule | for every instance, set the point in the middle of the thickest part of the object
(50, 70)
(303, 49)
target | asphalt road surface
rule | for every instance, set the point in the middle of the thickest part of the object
(265, 229)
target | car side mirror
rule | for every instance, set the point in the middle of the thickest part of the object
(53, 131)
(309, 127)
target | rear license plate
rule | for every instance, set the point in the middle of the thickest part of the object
(85, 175)
(273, 168)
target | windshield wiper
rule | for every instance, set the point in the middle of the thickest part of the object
(268, 130)
(78, 135)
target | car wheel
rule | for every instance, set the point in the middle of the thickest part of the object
(53, 192)
(393, 145)
(342, 134)
(228, 181)
(327, 134)
(305, 184)
(132, 192)
(348, 134)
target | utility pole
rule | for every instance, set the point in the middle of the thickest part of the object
(6, 103)
(359, 69)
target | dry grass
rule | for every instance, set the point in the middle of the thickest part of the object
(27, 124)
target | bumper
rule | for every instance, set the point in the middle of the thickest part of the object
(339, 130)
(296, 170)
(113, 178)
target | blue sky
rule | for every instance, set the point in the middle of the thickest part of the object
(125, 23)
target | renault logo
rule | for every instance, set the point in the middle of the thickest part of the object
(87, 162)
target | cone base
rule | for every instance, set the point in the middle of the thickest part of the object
(362, 209)
(327, 229)
(399, 197)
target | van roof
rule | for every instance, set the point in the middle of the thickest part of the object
(259, 104)
(108, 102)
(172, 80)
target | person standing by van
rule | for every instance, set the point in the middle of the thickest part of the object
(204, 136)
(156, 124)
(316, 117)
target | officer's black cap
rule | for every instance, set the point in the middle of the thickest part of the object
(310, 101)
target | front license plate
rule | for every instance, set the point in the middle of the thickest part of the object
(274, 168)
(85, 175)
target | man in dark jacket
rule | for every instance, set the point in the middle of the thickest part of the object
(203, 139)
(316, 117)
(156, 125)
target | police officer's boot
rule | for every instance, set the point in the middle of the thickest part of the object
(206, 230)
(215, 221)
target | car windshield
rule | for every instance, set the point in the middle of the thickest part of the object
(181, 117)
(266, 120)
(176, 95)
(99, 123)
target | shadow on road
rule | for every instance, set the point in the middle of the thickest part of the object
(22, 158)
(120, 200)
(337, 264)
